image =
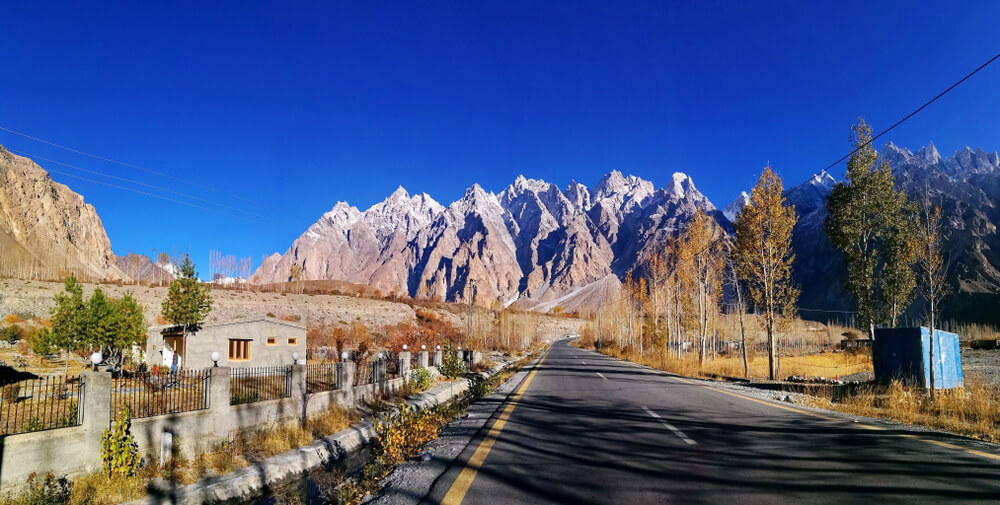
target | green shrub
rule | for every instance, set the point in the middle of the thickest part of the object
(71, 418)
(119, 452)
(479, 387)
(35, 424)
(251, 396)
(10, 334)
(422, 379)
(453, 366)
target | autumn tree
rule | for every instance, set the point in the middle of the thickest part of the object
(868, 222)
(737, 287)
(656, 271)
(295, 275)
(763, 257)
(933, 284)
(700, 264)
(188, 301)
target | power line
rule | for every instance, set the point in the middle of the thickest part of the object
(131, 181)
(122, 163)
(908, 116)
(115, 186)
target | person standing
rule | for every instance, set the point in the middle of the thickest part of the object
(173, 363)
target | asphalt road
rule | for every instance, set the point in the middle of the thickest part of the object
(591, 429)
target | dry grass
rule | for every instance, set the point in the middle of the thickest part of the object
(973, 411)
(826, 364)
(99, 489)
(243, 450)
(39, 365)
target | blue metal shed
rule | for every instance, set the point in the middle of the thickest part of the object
(903, 354)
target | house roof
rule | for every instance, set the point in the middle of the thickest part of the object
(238, 322)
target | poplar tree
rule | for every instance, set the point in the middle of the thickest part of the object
(933, 285)
(700, 265)
(188, 301)
(869, 221)
(763, 257)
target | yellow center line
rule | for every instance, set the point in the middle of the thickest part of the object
(461, 485)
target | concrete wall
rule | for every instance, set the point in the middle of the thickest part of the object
(77, 450)
(215, 338)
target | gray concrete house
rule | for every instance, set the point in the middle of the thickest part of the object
(261, 342)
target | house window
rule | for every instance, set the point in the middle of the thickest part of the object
(293, 341)
(272, 340)
(239, 350)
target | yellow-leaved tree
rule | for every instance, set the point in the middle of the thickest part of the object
(699, 269)
(763, 257)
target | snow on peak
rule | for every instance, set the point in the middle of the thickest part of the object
(401, 212)
(823, 180)
(622, 192)
(929, 154)
(736, 206)
(578, 195)
(343, 215)
(680, 183)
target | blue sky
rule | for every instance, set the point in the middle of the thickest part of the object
(281, 109)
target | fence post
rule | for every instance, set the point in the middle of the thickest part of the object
(477, 357)
(96, 410)
(422, 359)
(404, 364)
(346, 375)
(438, 358)
(299, 392)
(219, 396)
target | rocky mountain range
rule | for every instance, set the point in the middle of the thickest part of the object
(533, 243)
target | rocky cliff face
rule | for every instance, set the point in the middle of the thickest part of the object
(966, 185)
(533, 243)
(46, 228)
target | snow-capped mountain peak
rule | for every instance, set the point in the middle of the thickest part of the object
(736, 206)
(928, 154)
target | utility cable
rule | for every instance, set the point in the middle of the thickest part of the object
(122, 163)
(131, 181)
(908, 116)
(152, 195)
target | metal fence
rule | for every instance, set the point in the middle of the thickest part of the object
(257, 384)
(147, 394)
(40, 404)
(323, 377)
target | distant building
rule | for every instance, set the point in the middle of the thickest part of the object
(261, 342)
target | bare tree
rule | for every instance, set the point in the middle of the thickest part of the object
(932, 283)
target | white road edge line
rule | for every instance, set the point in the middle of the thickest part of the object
(670, 427)
(602, 375)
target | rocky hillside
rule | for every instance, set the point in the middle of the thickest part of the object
(46, 228)
(967, 187)
(141, 268)
(533, 243)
